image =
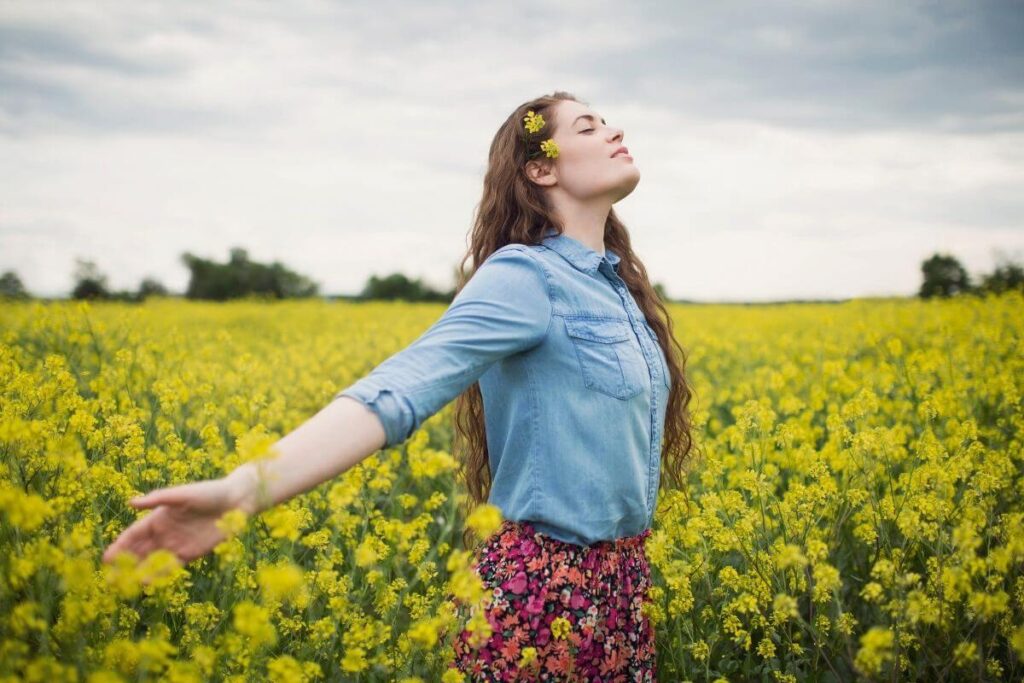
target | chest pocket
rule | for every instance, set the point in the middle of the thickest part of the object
(606, 356)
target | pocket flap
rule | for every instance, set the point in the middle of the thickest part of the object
(598, 330)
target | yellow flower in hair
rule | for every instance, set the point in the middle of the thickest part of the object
(534, 123)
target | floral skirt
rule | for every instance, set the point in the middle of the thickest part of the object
(560, 611)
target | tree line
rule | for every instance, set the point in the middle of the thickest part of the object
(942, 275)
(238, 277)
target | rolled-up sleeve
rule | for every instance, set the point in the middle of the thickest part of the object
(504, 308)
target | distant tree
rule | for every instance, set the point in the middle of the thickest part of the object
(241, 277)
(659, 289)
(90, 283)
(1007, 275)
(150, 287)
(943, 276)
(11, 286)
(399, 287)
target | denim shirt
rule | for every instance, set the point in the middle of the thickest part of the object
(574, 386)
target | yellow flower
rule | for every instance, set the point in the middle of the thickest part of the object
(366, 555)
(965, 654)
(789, 555)
(354, 659)
(160, 568)
(254, 621)
(766, 648)
(560, 628)
(27, 511)
(528, 655)
(285, 522)
(424, 632)
(485, 519)
(281, 581)
(784, 607)
(534, 122)
(232, 522)
(876, 650)
(479, 629)
(121, 576)
(286, 668)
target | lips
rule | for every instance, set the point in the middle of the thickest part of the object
(620, 150)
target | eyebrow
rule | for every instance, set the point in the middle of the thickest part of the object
(587, 116)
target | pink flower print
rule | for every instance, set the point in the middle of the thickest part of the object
(534, 581)
(517, 584)
(534, 604)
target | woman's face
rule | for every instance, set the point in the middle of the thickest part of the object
(585, 167)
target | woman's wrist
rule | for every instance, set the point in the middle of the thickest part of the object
(248, 488)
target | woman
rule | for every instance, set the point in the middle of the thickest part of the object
(556, 351)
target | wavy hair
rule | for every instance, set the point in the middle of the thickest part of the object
(513, 209)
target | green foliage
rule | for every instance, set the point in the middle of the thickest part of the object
(1006, 276)
(241, 277)
(399, 287)
(11, 286)
(90, 283)
(151, 287)
(943, 276)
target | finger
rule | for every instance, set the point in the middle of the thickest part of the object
(158, 497)
(128, 541)
(113, 552)
(141, 549)
(114, 548)
(131, 539)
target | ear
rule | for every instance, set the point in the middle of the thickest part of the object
(541, 173)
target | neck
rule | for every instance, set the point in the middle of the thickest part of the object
(584, 223)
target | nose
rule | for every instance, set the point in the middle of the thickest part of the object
(617, 134)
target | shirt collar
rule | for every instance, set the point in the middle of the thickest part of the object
(578, 254)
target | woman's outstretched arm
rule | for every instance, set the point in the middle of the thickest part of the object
(185, 517)
(341, 435)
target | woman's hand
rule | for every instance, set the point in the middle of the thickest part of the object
(184, 521)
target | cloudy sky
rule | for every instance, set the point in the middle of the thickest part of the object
(786, 149)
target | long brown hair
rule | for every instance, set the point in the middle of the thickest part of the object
(513, 210)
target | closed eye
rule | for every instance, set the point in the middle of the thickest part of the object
(587, 130)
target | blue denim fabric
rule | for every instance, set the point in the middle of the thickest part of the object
(574, 385)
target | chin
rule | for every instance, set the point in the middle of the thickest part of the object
(629, 184)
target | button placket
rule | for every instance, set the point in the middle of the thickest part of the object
(631, 313)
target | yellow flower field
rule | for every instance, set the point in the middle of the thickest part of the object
(857, 514)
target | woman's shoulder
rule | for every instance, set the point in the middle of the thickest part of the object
(513, 266)
(517, 252)
(540, 252)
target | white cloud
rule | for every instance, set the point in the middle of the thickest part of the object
(349, 140)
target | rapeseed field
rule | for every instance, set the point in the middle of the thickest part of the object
(856, 514)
